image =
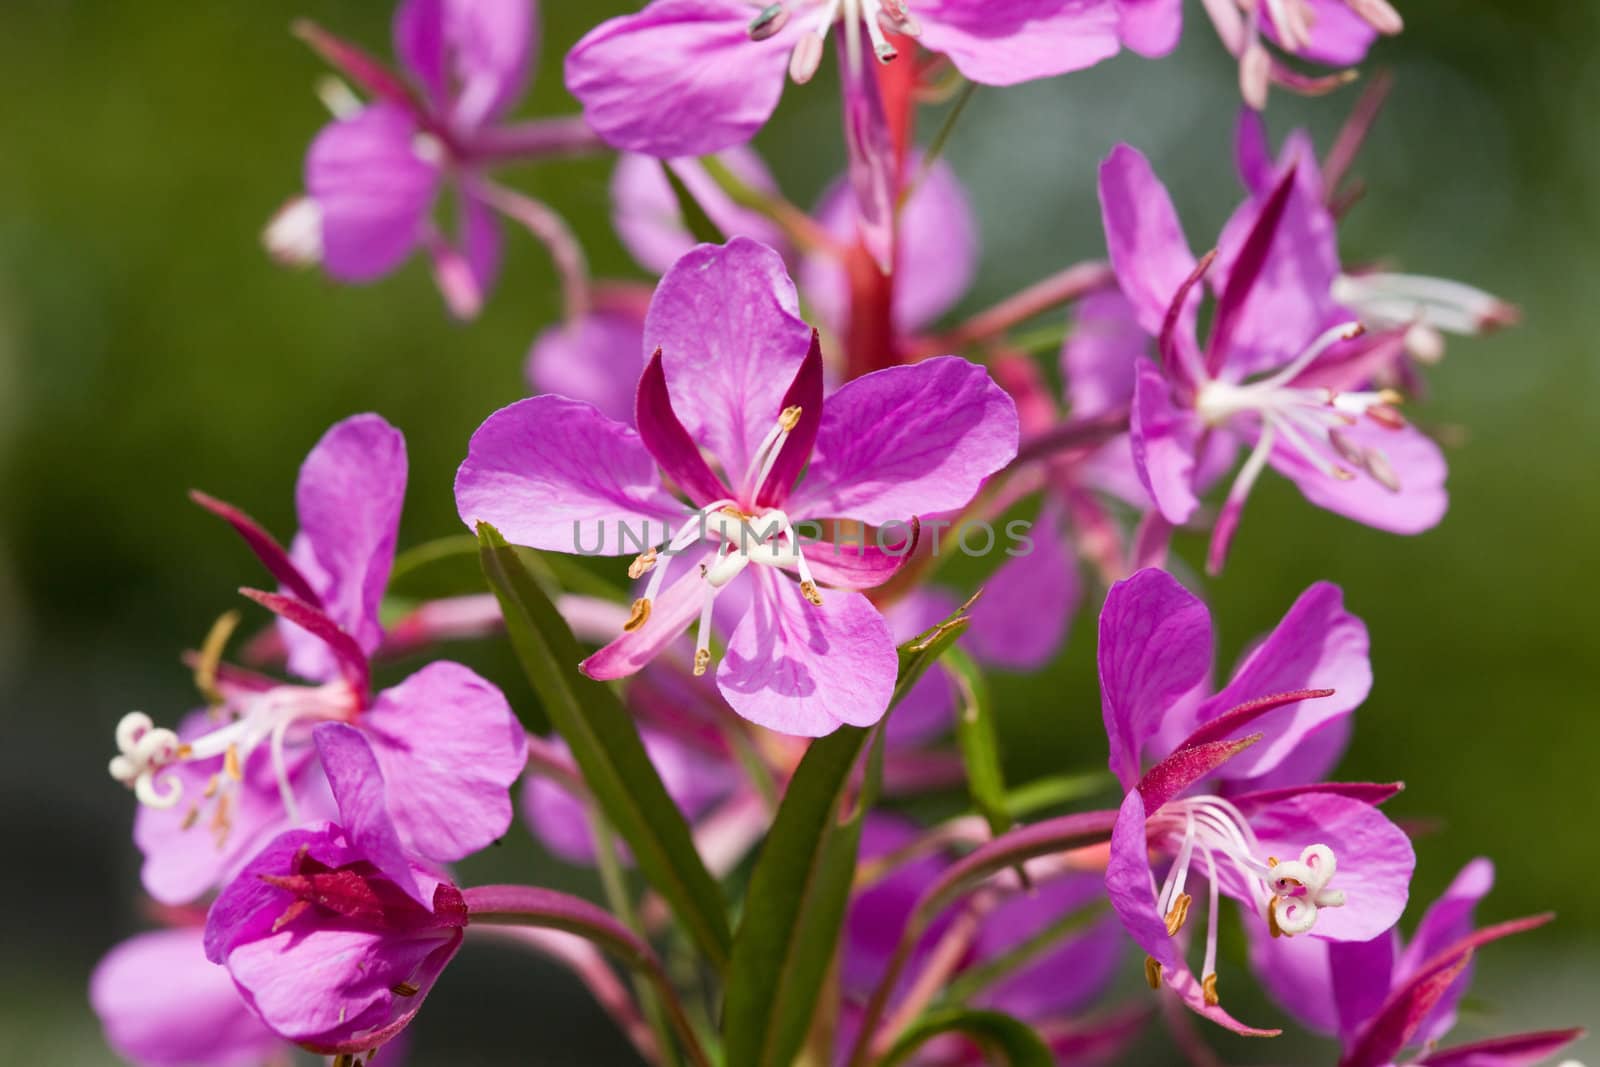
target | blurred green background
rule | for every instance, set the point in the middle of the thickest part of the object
(147, 345)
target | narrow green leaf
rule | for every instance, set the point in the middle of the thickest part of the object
(794, 909)
(417, 557)
(606, 746)
(978, 741)
(694, 216)
(996, 1032)
(1057, 790)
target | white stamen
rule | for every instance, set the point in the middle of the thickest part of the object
(881, 17)
(340, 100)
(1389, 301)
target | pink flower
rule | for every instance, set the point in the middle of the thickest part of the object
(1313, 860)
(739, 375)
(212, 793)
(335, 934)
(374, 174)
(1307, 412)
(163, 1004)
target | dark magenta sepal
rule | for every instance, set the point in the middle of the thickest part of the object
(272, 555)
(805, 393)
(674, 450)
(352, 661)
(1246, 271)
(1187, 766)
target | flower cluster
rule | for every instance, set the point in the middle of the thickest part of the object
(712, 535)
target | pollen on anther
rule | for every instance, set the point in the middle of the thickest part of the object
(789, 418)
(404, 989)
(809, 589)
(638, 616)
(642, 565)
(702, 661)
(1152, 972)
(230, 763)
(1208, 986)
(1178, 914)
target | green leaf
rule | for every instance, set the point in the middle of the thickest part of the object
(694, 216)
(979, 744)
(996, 1033)
(794, 909)
(924, 650)
(606, 746)
(1056, 791)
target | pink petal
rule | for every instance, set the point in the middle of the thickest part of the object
(910, 440)
(163, 1004)
(727, 320)
(373, 191)
(1101, 354)
(1148, 249)
(1317, 645)
(1375, 858)
(1417, 463)
(1447, 920)
(805, 670)
(554, 473)
(1165, 440)
(1018, 41)
(451, 748)
(359, 788)
(349, 495)
(1339, 37)
(1155, 646)
(680, 78)
(670, 614)
(1150, 27)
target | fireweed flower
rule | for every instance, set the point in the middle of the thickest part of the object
(163, 1004)
(1314, 860)
(1335, 33)
(1308, 412)
(1385, 995)
(374, 174)
(1426, 308)
(738, 373)
(335, 933)
(212, 793)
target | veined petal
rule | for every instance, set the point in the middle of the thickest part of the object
(1155, 646)
(556, 474)
(1295, 973)
(373, 190)
(1018, 41)
(348, 497)
(1074, 972)
(1317, 645)
(727, 321)
(450, 749)
(1165, 438)
(359, 788)
(865, 562)
(330, 988)
(596, 359)
(805, 670)
(1416, 461)
(1375, 858)
(909, 440)
(680, 78)
(1145, 239)
(163, 1004)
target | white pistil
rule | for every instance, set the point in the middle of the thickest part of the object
(293, 236)
(1425, 307)
(1209, 829)
(145, 750)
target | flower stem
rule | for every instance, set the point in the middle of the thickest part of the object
(564, 137)
(1071, 284)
